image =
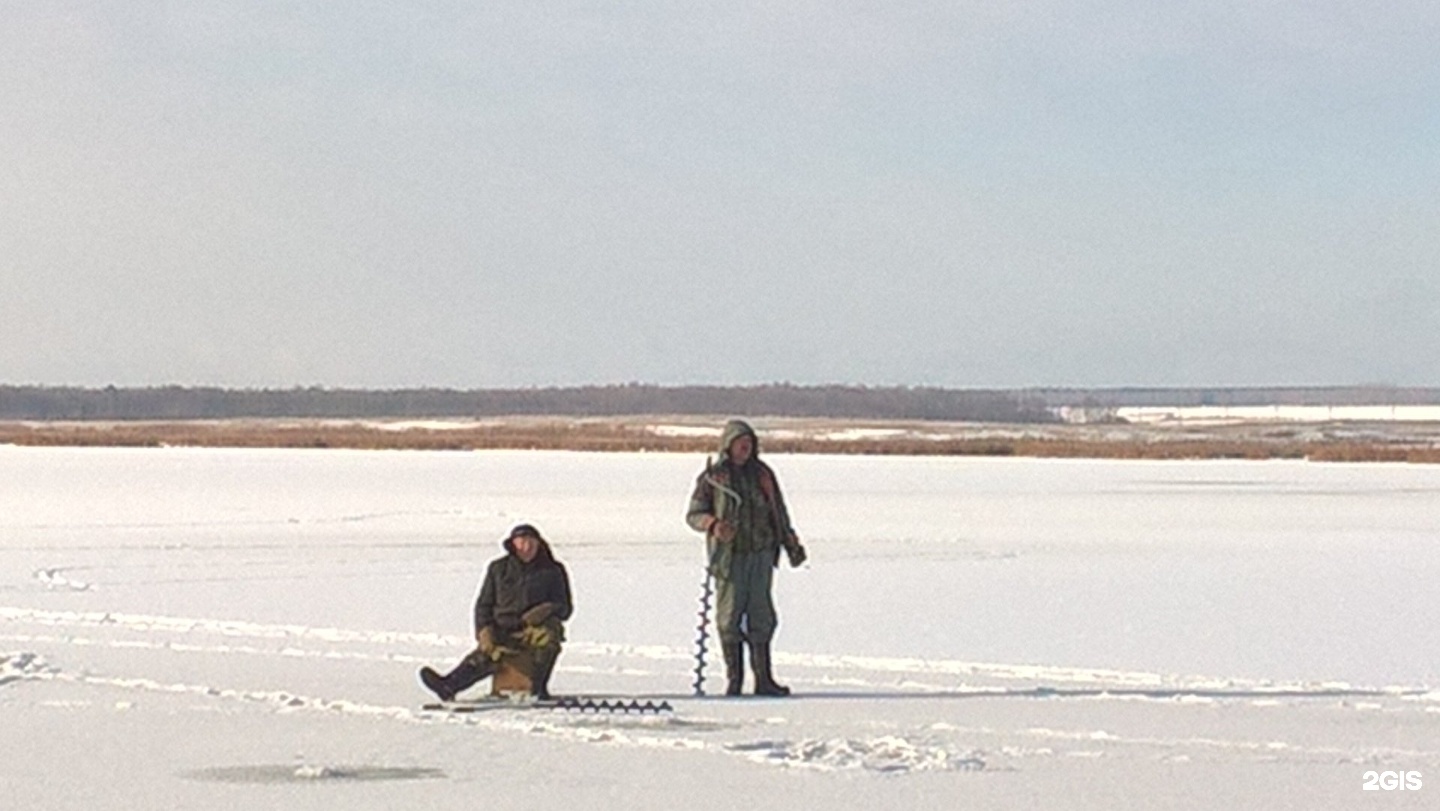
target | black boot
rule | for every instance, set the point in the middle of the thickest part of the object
(544, 666)
(765, 684)
(463, 677)
(436, 683)
(734, 653)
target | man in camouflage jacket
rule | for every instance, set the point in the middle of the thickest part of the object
(737, 503)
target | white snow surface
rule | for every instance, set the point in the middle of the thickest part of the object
(1212, 415)
(185, 628)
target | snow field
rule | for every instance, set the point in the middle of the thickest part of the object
(218, 628)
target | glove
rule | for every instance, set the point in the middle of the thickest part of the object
(796, 553)
(536, 636)
(539, 613)
(489, 648)
(486, 637)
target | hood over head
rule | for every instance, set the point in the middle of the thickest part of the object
(734, 429)
(528, 529)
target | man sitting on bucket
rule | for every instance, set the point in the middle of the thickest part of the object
(523, 602)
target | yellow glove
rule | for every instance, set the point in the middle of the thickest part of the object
(537, 636)
(489, 648)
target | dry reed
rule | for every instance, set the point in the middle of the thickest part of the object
(602, 435)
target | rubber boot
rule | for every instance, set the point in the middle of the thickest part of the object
(734, 653)
(545, 659)
(463, 677)
(765, 684)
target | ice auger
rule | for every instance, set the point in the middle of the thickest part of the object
(583, 705)
(704, 633)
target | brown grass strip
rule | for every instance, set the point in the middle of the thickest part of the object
(618, 436)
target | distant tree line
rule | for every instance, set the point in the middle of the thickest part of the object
(779, 400)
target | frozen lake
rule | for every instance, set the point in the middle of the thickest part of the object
(166, 597)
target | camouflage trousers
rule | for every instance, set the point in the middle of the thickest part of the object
(744, 609)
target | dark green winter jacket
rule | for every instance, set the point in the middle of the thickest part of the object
(512, 587)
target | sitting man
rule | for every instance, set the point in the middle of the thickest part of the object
(523, 601)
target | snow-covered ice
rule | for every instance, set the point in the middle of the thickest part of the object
(224, 628)
(1280, 413)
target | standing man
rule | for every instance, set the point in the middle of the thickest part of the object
(519, 615)
(738, 505)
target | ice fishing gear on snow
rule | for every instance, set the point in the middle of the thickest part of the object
(580, 704)
(577, 704)
(703, 630)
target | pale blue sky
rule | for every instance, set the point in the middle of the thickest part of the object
(963, 193)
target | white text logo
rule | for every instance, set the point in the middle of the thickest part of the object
(1390, 781)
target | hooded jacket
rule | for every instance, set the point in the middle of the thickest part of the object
(512, 587)
(719, 492)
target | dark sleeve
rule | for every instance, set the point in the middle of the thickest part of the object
(702, 503)
(782, 513)
(485, 603)
(564, 606)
